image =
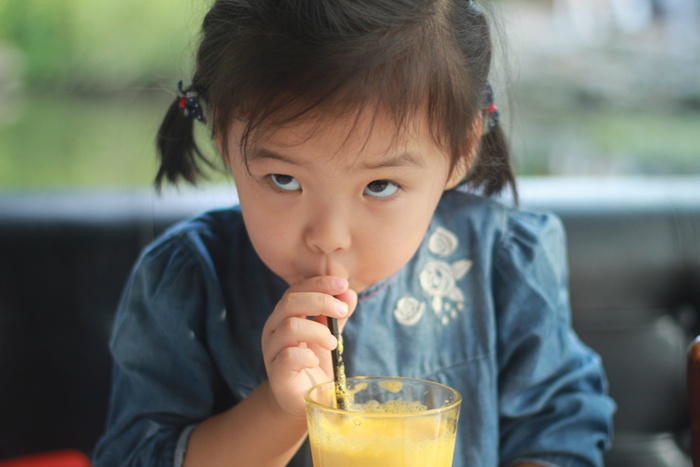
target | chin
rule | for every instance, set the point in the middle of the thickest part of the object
(358, 286)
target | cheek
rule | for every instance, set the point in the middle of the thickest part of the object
(409, 226)
(399, 238)
(263, 237)
(269, 237)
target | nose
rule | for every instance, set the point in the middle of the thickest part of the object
(329, 230)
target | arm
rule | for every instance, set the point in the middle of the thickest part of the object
(553, 404)
(253, 432)
(163, 377)
(268, 427)
(165, 382)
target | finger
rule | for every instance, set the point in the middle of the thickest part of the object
(300, 296)
(292, 360)
(349, 297)
(294, 332)
(305, 304)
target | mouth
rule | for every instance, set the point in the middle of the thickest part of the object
(327, 266)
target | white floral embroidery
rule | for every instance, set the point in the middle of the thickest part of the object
(461, 268)
(409, 311)
(442, 242)
(439, 280)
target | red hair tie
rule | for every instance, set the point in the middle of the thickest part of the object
(488, 106)
(189, 104)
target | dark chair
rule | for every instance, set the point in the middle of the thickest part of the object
(634, 261)
(694, 399)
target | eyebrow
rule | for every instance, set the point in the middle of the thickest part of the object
(263, 153)
(402, 159)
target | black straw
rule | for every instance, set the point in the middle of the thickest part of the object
(338, 365)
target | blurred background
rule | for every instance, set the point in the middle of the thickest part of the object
(604, 90)
(590, 87)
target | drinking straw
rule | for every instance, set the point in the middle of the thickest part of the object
(341, 389)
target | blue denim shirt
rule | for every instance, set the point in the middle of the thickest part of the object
(482, 307)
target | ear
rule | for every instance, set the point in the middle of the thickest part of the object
(465, 163)
(459, 171)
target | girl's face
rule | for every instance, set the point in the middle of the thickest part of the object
(347, 197)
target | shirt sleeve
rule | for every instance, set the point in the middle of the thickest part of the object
(554, 408)
(162, 376)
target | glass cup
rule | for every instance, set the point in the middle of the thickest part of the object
(388, 422)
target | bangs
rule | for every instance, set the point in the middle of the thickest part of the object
(385, 66)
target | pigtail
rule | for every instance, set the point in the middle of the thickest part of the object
(178, 152)
(493, 171)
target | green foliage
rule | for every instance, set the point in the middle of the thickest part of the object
(99, 75)
(62, 141)
(107, 42)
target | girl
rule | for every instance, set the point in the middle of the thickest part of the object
(358, 133)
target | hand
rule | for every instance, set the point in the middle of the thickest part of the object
(296, 349)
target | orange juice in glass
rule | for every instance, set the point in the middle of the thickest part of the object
(387, 422)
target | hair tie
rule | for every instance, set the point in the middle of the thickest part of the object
(488, 106)
(189, 104)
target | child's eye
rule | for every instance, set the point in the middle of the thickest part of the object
(285, 182)
(381, 189)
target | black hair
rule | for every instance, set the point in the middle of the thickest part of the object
(270, 62)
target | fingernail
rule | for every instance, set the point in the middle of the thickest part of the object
(340, 282)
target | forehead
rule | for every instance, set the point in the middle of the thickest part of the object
(362, 135)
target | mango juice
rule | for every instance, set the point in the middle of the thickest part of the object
(390, 422)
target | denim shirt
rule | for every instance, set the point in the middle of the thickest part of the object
(482, 306)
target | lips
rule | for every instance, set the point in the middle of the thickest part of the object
(324, 265)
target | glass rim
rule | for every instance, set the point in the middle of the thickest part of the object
(445, 408)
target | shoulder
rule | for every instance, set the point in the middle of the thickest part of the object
(221, 225)
(209, 230)
(501, 225)
(192, 246)
(502, 239)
